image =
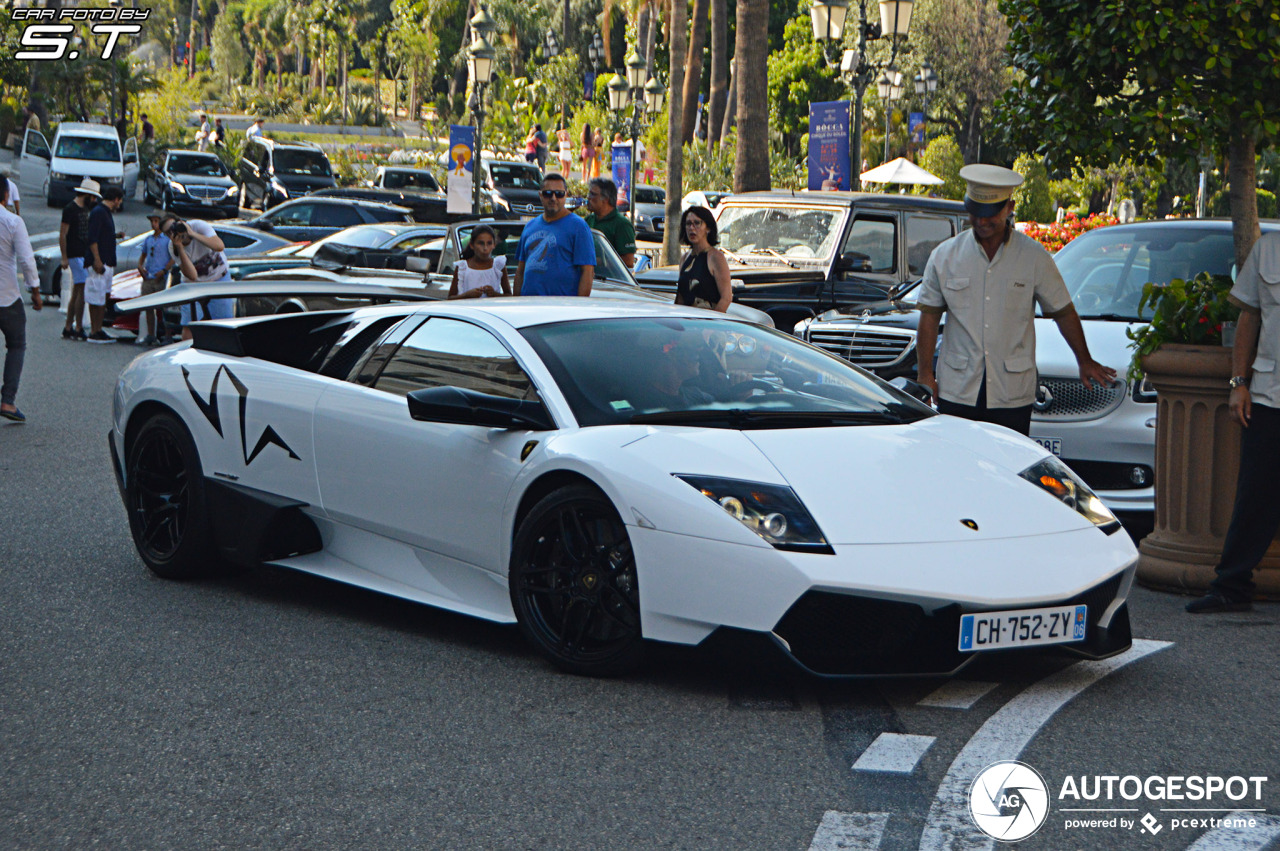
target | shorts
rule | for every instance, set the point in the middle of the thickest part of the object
(97, 286)
(76, 267)
(153, 285)
(531, 156)
(219, 308)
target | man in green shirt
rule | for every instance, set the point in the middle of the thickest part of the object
(602, 201)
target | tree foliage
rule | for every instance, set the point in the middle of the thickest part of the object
(1034, 198)
(799, 75)
(942, 158)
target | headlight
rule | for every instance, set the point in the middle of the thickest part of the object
(802, 327)
(279, 187)
(58, 175)
(177, 187)
(1053, 476)
(773, 512)
(231, 190)
(1144, 391)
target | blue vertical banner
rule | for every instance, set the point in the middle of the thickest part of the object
(622, 171)
(829, 145)
(462, 151)
(589, 86)
(915, 126)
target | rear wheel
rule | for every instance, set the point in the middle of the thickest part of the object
(165, 498)
(574, 586)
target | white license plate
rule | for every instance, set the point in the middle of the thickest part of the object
(207, 202)
(1022, 628)
(1053, 444)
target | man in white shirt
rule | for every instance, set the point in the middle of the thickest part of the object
(988, 280)
(202, 135)
(15, 198)
(255, 129)
(15, 249)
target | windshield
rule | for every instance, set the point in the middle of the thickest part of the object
(88, 148)
(201, 166)
(709, 372)
(516, 176)
(1106, 269)
(358, 236)
(649, 195)
(796, 233)
(302, 162)
(409, 180)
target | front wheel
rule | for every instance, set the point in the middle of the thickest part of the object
(574, 586)
(165, 497)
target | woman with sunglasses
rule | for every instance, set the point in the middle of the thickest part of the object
(704, 271)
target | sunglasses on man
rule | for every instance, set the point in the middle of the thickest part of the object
(552, 193)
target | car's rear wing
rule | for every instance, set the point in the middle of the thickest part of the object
(188, 293)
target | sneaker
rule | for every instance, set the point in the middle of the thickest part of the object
(1214, 602)
(100, 337)
(15, 415)
(68, 334)
(79, 334)
(149, 340)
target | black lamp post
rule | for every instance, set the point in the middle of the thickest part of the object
(926, 84)
(889, 87)
(646, 96)
(828, 18)
(480, 58)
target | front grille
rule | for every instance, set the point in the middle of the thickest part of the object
(870, 348)
(525, 208)
(210, 192)
(1111, 475)
(846, 635)
(1069, 399)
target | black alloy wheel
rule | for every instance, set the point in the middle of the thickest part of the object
(165, 498)
(574, 586)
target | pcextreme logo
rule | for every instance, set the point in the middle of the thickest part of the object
(1009, 801)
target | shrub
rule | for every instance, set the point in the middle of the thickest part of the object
(1182, 312)
(1034, 198)
(1058, 234)
(942, 158)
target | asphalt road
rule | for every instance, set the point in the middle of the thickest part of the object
(280, 711)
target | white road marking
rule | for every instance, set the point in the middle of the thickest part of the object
(958, 694)
(1004, 736)
(852, 831)
(894, 752)
(1241, 838)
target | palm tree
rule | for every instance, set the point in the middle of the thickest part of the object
(719, 69)
(751, 160)
(677, 42)
(693, 69)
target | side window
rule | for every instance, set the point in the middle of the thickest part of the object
(877, 238)
(299, 215)
(924, 233)
(334, 216)
(234, 240)
(447, 352)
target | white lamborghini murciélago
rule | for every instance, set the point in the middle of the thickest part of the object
(609, 474)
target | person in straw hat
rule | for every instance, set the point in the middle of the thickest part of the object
(988, 281)
(73, 241)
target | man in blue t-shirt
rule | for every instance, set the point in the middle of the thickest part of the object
(557, 254)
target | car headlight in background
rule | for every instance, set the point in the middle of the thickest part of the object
(773, 512)
(1054, 477)
(177, 187)
(58, 175)
(1144, 390)
(279, 187)
(231, 190)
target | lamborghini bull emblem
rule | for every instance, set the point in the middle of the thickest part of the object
(210, 410)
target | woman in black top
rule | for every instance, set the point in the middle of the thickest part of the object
(704, 273)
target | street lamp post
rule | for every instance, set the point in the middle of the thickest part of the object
(644, 95)
(480, 58)
(926, 84)
(828, 18)
(889, 87)
(552, 46)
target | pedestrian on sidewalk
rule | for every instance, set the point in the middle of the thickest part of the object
(542, 146)
(101, 260)
(15, 251)
(14, 203)
(1255, 405)
(556, 254)
(154, 264)
(565, 152)
(73, 242)
(202, 135)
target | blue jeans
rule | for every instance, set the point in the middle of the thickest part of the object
(13, 324)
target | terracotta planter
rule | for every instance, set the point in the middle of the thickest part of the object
(1197, 461)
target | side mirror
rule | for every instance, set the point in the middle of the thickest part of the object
(853, 261)
(913, 389)
(467, 407)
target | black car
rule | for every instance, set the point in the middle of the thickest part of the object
(272, 172)
(309, 219)
(191, 181)
(795, 255)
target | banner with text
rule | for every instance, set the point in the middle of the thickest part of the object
(829, 145)
(622, 171)
(462, 149)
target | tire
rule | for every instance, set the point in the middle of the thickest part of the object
(574, 586)
(165, 498)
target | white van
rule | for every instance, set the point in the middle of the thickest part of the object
(78, 151)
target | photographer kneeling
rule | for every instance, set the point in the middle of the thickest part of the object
(199, 252)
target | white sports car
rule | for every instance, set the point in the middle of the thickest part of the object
(603, 474)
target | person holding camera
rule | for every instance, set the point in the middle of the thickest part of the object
(201, 255)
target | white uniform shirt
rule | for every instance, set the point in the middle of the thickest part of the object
(990, 307)
(15, 197)
(15, 250)
(1257, 288)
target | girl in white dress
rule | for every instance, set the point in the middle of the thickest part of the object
(479, 274)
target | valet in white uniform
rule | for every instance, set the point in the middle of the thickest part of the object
(988, 281)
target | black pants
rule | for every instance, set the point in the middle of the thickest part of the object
(1018, 419)
(1256, 515)
(13, 326)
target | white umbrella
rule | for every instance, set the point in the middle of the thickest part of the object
(901, 170)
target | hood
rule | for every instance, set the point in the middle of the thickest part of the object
(1108, 345)
(893, 484)
(221, 180)
(308, 182)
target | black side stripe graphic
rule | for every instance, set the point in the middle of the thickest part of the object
(269, 435)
